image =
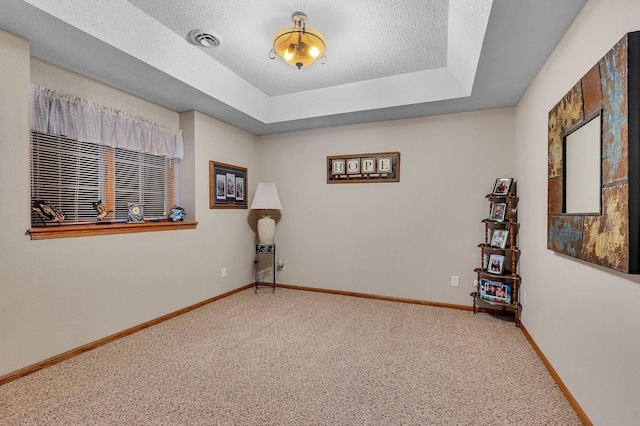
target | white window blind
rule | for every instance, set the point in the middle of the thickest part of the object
(66, 173)
(72, 174)
(142, 178)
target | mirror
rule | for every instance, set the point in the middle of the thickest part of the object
(594, 132)
(582, 168)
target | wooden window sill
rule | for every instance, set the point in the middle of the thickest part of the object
(85, 230)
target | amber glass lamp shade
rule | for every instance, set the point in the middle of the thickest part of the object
(299, 46)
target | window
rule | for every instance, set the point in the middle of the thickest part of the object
(143, 178)
(72, 174)
(82, 153)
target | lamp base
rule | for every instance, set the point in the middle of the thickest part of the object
(266, 230)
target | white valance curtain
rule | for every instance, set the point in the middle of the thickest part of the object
(77, 118)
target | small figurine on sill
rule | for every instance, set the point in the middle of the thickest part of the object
(177, 214)
(47, 211)
(102, 211)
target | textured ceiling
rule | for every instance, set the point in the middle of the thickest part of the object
(365, 40)
(386, 59)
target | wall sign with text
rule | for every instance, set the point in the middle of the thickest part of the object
(378, 167)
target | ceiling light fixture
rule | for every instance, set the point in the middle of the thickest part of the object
(299, 46)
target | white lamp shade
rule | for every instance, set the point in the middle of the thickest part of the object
(266, 197)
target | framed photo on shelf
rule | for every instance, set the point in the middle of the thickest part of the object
(502, 186)
(227, 186)
(496, 291)
(135, 212)
(496, 264)
(498, 211)
(499, 238)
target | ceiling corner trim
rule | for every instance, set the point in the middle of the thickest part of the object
(405, 89)
(468, 23)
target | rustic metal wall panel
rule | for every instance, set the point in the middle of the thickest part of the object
(605, 239)
(565, 235)
(614, 109)
(592, 91)
(555, 196)
(564, 116)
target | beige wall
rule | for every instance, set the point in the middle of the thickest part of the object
(586, 319)
(17, 285)
(401, 239)
(56, 295)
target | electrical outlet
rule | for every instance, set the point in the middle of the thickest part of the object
(455, 281)
(475, 284)
(281, 264)
(524, 298)
(223, 272)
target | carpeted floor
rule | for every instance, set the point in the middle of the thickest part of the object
(300, 358)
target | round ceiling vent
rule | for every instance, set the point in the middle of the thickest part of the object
(205, 38)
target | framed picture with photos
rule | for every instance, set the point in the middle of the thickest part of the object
(499, 238)
(498, 211)
(227, 186)
(496, 264)
(496, 291)
(502, 186)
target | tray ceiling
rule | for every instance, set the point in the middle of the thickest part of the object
(386, 60)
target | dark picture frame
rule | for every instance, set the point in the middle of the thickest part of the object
(498, 212)
(499, 238)
(135, 212)
(495, 265)
(502, 186)
(364, 168)
(227, 186)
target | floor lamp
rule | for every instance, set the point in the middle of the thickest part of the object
(266, 198)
